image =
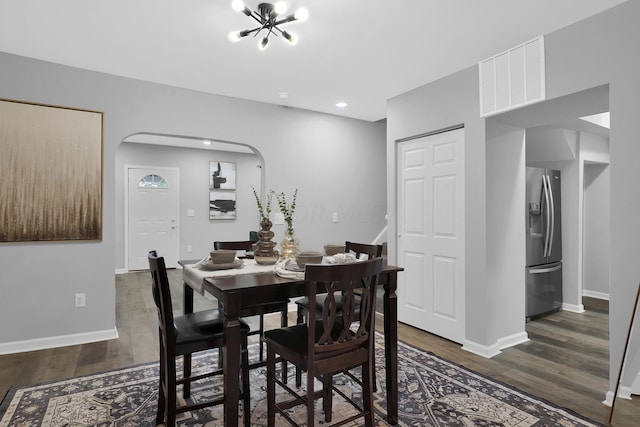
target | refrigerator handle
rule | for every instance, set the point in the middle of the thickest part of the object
(545, 188)
(545, 270)
(552, 209)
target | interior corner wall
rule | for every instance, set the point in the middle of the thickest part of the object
(450, 101)
(596, 256)
(316, 153)
(506, 225)
(590, 53)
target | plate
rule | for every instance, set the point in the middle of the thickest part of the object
(208, 265)
(293, 266)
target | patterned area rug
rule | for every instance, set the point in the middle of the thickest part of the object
(432, 392)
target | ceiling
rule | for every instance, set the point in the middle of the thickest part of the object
(362, 52)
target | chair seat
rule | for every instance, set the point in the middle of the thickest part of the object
(296, 338)
(202, 326)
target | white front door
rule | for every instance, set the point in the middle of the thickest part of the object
(152, 216)
(431, 233)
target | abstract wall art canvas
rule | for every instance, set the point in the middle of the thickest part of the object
(50, 173)
(222, 176)
(222, 205)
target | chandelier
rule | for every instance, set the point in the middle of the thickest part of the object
(269, 17)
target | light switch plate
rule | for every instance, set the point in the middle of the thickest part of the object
(278, 218)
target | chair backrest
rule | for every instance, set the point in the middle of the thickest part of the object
(334, 332)
(243, 245)
(358, 249)
(162, 297)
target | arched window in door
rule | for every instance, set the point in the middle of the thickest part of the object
(152, 181)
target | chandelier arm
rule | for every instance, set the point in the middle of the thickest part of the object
(253, 30)
(279, 30)
(289, 18)
(258, 18)
(264, 25)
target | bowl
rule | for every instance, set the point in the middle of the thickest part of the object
(304, 258)
(334, 249)
(222, 256)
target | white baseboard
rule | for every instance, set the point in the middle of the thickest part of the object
(574, 308)
(594, 294)
(623, 393)
(513, 340)
(121, 270)
(59, 341)
(481, 350)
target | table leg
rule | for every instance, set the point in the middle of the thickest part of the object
(187, 308)
(391, 344)
(231, 356)
(187, 299)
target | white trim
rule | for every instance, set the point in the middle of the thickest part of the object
(121, 271)
(623, 392)
(481, 350)
(126, 208)
(597, 295)
(59, 341)
(513, 340)
(574, 308)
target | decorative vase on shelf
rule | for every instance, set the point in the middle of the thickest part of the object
(265, 254)
(289, 245)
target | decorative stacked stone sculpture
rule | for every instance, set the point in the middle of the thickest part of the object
(265, 254)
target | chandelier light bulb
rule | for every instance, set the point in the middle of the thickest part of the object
(291, 38)
(263, 43)
(237, 5)
(301, 15)
(280, 8)
(234, 36)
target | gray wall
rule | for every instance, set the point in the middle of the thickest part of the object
(596, 258)
(338, 164)
(591, 53)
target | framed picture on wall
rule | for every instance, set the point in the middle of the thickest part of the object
(50, 173)
(222, 176)
(222, 205)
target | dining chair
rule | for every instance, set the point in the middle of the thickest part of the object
(261, 309)
(358, 250)
(183, 336)
(330, 342)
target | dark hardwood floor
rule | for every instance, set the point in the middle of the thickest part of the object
(565, 362)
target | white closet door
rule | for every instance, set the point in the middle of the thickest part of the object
(431, 234)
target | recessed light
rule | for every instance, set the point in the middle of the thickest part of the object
(206, 142)
(341, 104)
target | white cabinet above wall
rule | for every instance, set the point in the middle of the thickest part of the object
(512, 78)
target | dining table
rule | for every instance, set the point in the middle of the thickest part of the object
(251, 284)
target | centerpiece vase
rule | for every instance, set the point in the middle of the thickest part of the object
(289, 245)
(265, 254)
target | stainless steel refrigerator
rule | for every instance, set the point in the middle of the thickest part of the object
(544, 242)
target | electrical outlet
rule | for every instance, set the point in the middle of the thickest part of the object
(334, 217)
(81, 300)
(189, 249)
